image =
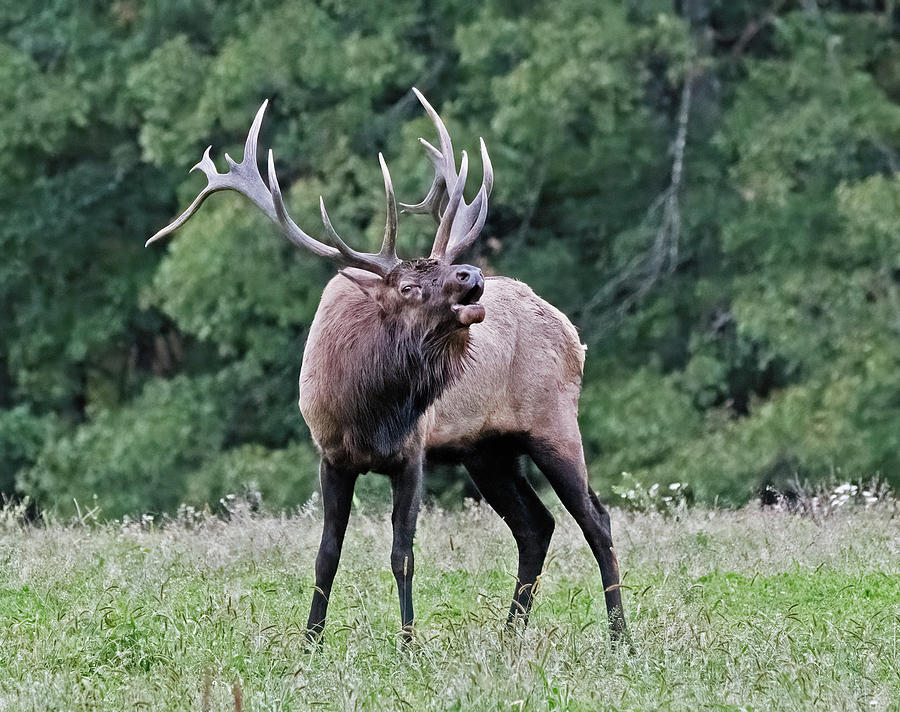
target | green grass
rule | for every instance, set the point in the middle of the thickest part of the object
(727, 610)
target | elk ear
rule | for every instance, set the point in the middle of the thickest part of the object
(367, 282)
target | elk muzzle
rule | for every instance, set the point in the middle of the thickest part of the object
(466, 284)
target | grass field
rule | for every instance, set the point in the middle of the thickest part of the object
(728, 610)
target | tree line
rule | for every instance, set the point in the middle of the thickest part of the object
(708, 188)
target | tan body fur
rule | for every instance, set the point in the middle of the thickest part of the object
(527, 361)
(523, 372)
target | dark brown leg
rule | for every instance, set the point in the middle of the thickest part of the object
(337, 495)
(406, 485)
(497, 472)
(565, 469)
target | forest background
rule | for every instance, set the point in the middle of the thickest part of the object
(708, 188)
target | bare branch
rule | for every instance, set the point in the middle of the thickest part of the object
(619, 295)
(754, 27)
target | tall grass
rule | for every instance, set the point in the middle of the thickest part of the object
(750, 609)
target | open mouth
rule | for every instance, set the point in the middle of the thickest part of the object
(468, 311)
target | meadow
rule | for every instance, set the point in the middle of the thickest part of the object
(748, 609)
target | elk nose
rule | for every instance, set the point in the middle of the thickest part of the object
(468, 276)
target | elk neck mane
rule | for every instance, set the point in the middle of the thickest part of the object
(384, 373)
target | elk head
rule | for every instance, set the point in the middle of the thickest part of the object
(420, 291)
(433, 293)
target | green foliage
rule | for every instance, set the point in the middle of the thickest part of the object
(22, 436)
(137, 457)
(161, 88)
(769, 351)
(232, 282)
(283, 478)
(635, 422)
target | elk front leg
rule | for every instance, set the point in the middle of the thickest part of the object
(406, 485)
(337, 495)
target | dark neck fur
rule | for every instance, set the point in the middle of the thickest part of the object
(398, 379)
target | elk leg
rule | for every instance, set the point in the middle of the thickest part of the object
(498, 475)
(406, 487)
(565, 469)
(337, 495)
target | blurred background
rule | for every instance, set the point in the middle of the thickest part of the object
(708, 188)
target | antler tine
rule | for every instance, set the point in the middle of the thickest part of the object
(348, 252)
(443, 135)
(434, 201)
(389, 243)
(289, 228)
(444, 164)
(474, 215)
(445, 228)
(445, 196)
(244, 178)
(350, 257)
(246, 169)
(387, 257)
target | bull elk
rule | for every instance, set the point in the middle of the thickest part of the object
(408, 359)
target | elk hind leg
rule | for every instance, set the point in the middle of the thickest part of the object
(563, 465)
(497, 472)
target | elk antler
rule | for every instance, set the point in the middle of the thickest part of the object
(459, 223)
(244, 178)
